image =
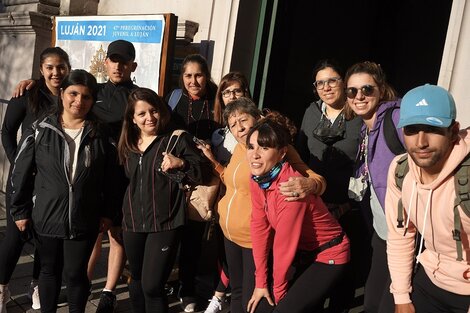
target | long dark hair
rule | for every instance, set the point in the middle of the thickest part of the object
(130, 133)
(36, 99)
(211, 87)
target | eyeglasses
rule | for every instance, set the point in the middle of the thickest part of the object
(332, 82)
(237, 92)
(366, 90)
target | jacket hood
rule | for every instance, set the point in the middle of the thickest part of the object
(381, 110)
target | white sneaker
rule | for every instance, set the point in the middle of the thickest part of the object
(215, 305)
(188, 306)
(4, 298)
(33, 295)
(35, 299)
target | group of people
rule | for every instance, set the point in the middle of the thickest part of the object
(302, 216)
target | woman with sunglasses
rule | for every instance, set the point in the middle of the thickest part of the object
(371, 97)
(309, 249)
(328, 141)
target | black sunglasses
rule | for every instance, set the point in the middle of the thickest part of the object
(366, 90)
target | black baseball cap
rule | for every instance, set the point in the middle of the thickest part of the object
(122, 48)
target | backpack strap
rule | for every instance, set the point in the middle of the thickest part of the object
(400, 172)
(175, 98)
(390, 133)
(462, 199)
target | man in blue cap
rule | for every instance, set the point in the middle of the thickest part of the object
(428, 193)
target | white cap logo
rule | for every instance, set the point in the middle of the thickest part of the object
(422, 103)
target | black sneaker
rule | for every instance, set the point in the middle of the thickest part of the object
(107, 303)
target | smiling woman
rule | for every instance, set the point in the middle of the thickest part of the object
(153, 224)
(67, 164)
(301, 234)
(54, 65)
(371, 97)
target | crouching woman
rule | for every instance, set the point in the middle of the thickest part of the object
(302, 234)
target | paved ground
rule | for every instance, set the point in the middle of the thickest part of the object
(20, 281)
(22, 276)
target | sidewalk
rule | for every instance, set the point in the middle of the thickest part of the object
(21, 279)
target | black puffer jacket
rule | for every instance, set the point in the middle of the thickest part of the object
(41, 186)
(153, 201)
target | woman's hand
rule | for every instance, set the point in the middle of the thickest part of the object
(258, 295)
(171, 162)
(297, 188)
(22, 224)
(206, 149)
(22, 86)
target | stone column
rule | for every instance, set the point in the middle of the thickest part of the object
(25, 31)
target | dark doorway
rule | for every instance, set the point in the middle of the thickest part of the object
(406, 37)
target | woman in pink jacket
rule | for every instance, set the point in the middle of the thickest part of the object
(310, 250)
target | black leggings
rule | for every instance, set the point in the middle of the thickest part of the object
(223, 276)
(241, 268)
(377, 296)
(190, 254)
(11, 247)
(69, 257)
(151, 257)
(310, 289)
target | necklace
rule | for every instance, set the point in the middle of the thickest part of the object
(205, 107)
(190, 111)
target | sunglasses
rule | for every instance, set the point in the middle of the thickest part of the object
(366, 90)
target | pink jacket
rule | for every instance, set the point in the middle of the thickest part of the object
(299, 225)
(430, 210)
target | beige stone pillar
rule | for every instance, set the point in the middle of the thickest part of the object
(454, 74)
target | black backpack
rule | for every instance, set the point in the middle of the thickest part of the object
(390, 133)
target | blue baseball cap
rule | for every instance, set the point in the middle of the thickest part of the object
(429, 105)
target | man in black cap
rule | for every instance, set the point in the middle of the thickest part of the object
(110, 108)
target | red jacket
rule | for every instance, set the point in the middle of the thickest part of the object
(287, 227)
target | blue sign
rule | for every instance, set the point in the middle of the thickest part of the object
(145, 31)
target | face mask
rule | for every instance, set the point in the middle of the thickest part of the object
(328, 134)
